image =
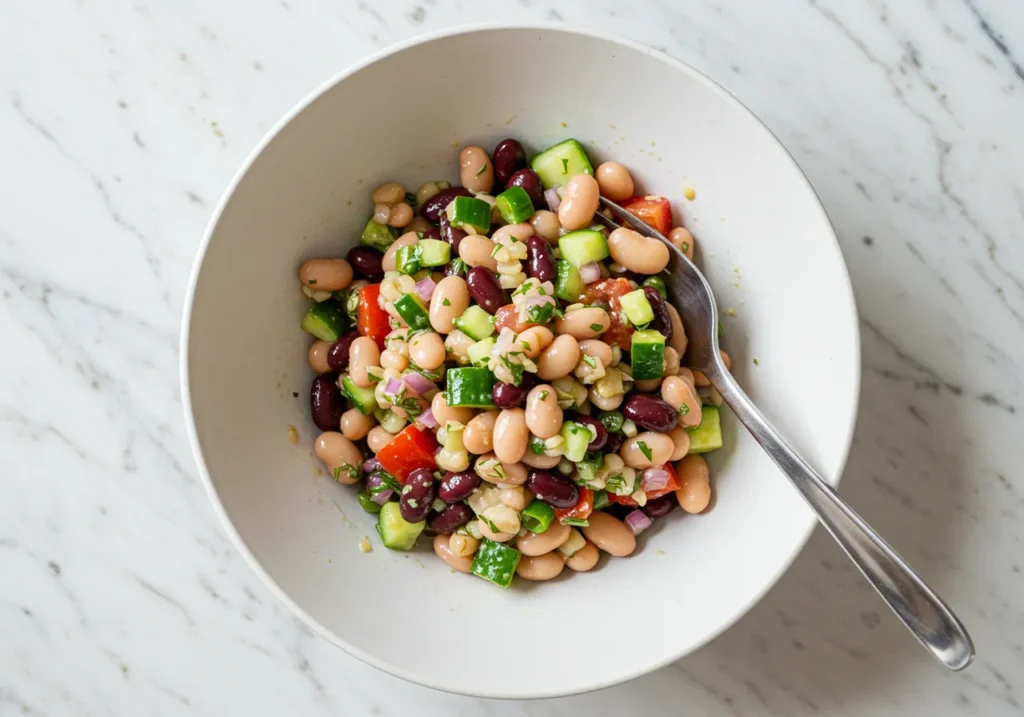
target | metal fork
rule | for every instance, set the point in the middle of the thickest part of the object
(923, 612)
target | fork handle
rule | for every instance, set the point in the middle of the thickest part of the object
(921, 610)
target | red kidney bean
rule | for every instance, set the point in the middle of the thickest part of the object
(614, 443)
(325, 402)
(650, 412)
(658, 507)
(551, 488)
(662, 321)
(602, 433)
(452, 235)
(432, 208)
(508, 395)
(337, 355)
(417, 495)
(456, 487)
(508, 157)
(452, 518)
(365, 263)
(528, 180)
(539, 262)
(432, 233)
(485, 289)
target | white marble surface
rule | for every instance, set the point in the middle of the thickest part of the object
(121, 123)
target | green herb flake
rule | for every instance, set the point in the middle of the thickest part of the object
(483, 168)
(686, 247)
(516, 369)
(446, 302)
(684, 409)
(565, 166)
(544, 394)
(576, 522)
(295, 394)
(490, 524)
(311, 282)
(589, 361)
(645, 449)
(348, 468)
(499, 470)
(756, 362)
(542, 291)
(596, 327)
(495, 250)
(537, 446)
(615, 483)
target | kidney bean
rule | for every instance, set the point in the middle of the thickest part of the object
(528, 180)
(432, 233)
(602, 433)
(614, 443)
(432, 208)
(509, 156)
(325, 402)
(452, 235)
(539, 262)
(662, 321)
(554, 490)
(658, 507)
(366, 263)
(456, 487)
(650, 412)
(485, 289)
(337, 355)
(417, 495)
(508, 395)
(452, 518)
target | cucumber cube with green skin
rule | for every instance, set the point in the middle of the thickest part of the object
(395, 531)
(327, 321)
(470, 212)
(514, 205)
(407, 259)
(470, 387)
(556, 165)
(568, 282)
(433, 252)
(647, 354)
(583, 247)
(577, 438)
(494, 561)
(637, 307)
(480, 352)
(476, 323)
(413, 312)
(362, 399)
(708, 435)
(378, 236)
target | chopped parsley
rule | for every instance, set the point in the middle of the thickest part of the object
(483, 168)
(390, 481)
(645, 449)
(410, 199)
(615, 483)
(685, 247)
(311, 282)
(684, 409)
(295, 394)
(542, 291)
(565, 166)
(540, 313)
(495, 250)
(490, 524)
(589, 361)
(596, 327)
(537, 445)
(498, 470)
(578, 522)
(543, 395)
(457, 267)
(352, 471)
(516, 369)
(446, 302)
(756, 362)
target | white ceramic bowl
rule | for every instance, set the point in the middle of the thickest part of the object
(769, 252)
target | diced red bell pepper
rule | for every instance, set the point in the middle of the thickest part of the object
(371, 320)
(413, 448)
(609, 292)
(581, 511)
(670, 487)
(655, 211)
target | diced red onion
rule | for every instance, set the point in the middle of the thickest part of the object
(590, 272)
(382, 497)
(654, 479)
(418, 382)
(638, 521)
(553, 200)
(530, 302)
(427, 419)
(505, 339)
(370, 465)
(425, 288)
(392, 387)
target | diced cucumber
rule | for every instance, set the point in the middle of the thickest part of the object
(475, 323)
(407, 259)
(637, 307)
(470, 387)
(434, 252)
(647, 354)
(413, 311)
(587, 468)
(494, 561)
(378, 236)
(480, 352)
(470, 212)
(556, 165)
(361, 398)
(514, 205)
(395, 531)
(577, 438)
(568, 282)
(327, 321)
(708, 435)
(583, 247)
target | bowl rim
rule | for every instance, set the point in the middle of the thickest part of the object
(188, 307)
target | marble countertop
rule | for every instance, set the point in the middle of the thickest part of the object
(120, 126)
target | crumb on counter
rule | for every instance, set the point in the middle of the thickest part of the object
(756, 362)
(364, 545)
(565, 124)
(293, 435)
(689, 192)
(730, 311)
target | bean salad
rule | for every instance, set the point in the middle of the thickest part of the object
(498, 369)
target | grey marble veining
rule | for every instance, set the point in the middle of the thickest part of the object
(120, 125)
